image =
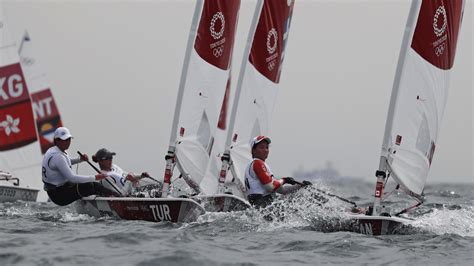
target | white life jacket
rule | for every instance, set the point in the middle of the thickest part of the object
(253, 184)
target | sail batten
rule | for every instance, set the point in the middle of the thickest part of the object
(420, 91)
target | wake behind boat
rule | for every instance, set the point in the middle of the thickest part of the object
(416, 108)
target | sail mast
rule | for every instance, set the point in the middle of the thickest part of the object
(170, 156)
(419, 95)
(202, 87)
(257, 87)
(182, 81)
(243, 65)
(407, 36)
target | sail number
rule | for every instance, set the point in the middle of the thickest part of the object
(161, 212)
(14, 87)
(6, 192)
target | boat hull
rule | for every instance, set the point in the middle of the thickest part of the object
(222, 203)
(13, 193)
(175, 210)
(379, 225)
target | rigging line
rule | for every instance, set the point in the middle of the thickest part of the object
(408, 209)
(388, 195)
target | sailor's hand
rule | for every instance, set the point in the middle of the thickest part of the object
(306, 183)
(289, 180)
(132, 177)
(84, 157)
(100, 176)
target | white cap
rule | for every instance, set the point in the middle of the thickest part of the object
(62, 133)
(258, 139)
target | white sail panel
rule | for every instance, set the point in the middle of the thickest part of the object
(44, 106)
(203, 85)
(258, 83)
(204, 91)
(421, 93)
(19, 150)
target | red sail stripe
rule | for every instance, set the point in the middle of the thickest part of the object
(215, 35)
(436, 31)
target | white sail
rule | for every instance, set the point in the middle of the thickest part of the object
(202, 86)
(19, 150)
(258, 82)
(420, 91)
(46, 112)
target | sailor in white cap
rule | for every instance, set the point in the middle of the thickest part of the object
(259, 178)
(60, 182)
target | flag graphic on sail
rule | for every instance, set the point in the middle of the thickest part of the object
(44, 106)
(19, 153)
(203, 85)
(420, 91)
(258, 82)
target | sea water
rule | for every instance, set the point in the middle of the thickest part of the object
(302, 229)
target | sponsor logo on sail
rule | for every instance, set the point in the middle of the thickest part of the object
(272, 45)
(218, 46)
(440, 23)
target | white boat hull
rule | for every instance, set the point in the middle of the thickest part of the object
(222, 202)
(13, 193)
(175, 210)
(378, 225)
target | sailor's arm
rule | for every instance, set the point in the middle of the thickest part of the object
(265, 178)
(60, 163)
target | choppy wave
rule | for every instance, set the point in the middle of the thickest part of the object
(306, 227)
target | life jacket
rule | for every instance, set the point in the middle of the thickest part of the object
(254, 183)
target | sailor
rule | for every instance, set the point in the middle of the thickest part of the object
(259, 179)
(60, 182)
(124, 180)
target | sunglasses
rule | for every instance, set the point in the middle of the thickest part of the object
(106, 158)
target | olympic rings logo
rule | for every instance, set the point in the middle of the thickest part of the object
(439, 50)
(440, 31)
(271, 65)
(218, 51)
(217, 35)
(272, 35)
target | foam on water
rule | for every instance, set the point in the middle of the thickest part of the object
(445, 221)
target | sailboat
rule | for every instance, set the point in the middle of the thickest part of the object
(254, 101)
(20, 157)
(201, 91)
(201, 97)
(416, 108)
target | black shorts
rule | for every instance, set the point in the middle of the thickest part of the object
(260, 201)
(70, 192)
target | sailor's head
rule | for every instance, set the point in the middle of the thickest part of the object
(62, 138)
(260, 147)
(62, 133)
(104, 158)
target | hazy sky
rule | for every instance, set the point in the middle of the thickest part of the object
(114, 69)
